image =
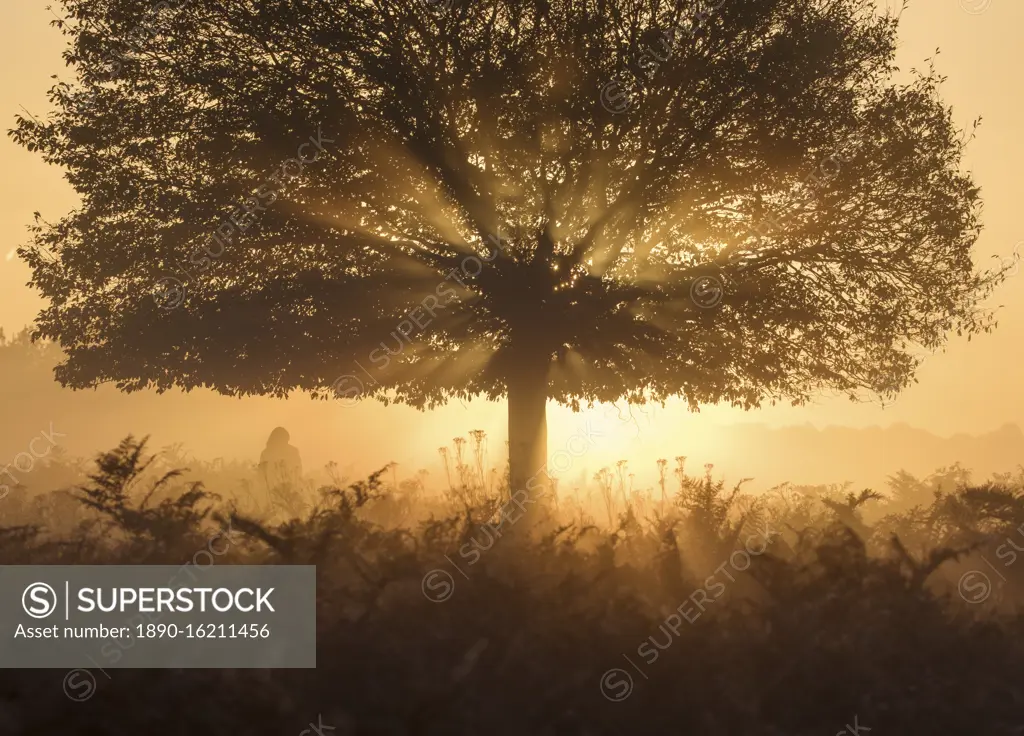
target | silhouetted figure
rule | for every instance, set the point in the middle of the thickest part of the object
(280, 461)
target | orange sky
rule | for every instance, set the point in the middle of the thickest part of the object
(971, 388)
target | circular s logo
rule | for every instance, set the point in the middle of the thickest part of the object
(975, 7)
(616, 685)
(79, 685)
(615, 97)
(975, 586)
(348, 388)
(168, 293)
(39, 600)
(438, 586)
(707, 291)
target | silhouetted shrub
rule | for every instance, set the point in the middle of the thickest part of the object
(823, 624)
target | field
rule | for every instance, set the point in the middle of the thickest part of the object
(801, 611)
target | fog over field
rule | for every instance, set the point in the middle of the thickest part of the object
(361, 436)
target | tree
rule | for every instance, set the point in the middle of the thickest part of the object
(569, 200)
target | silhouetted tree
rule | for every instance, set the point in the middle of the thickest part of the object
(577, 200)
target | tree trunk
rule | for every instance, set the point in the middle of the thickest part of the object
(528, 429)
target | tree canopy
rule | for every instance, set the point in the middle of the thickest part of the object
(730, 201)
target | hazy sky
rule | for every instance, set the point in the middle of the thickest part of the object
(971, 388)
